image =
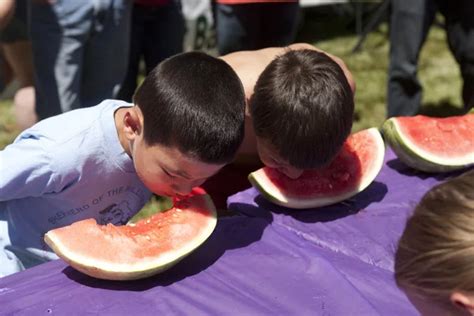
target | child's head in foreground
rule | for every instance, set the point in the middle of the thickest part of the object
(434, 263)
(189, 122)
(302, 110)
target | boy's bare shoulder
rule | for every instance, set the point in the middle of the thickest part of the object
(250, 64)
(256, 56)
(257, 60)
(297, 46)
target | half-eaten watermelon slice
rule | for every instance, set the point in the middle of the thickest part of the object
(432, 144)
(353, 169)
(139, 250)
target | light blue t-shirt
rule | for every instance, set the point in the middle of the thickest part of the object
(64, 169)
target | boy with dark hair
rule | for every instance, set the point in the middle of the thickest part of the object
(106, 161)
(301, 109)
(299, 112)
(300, 105)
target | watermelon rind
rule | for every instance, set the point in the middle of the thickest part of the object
(138, 270)
(417, 158)
(272, 193)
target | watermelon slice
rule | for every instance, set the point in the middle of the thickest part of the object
(139, 250)
(432, 144)
(353, 169)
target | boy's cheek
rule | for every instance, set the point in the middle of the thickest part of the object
(163, 193)
(157, 188)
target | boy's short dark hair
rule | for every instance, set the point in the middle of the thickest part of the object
(194, 102)
(303, 105)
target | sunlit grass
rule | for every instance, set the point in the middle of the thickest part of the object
(8, 129)
(438, 72)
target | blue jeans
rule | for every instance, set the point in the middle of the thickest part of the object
(80, 52)
(156, 33)
(409, 26)
(255, 25)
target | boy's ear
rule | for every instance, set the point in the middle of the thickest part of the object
(132, 123)
(463, 301)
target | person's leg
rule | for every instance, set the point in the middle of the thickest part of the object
(460, 32)
(58, 32)
(164, 34)
(24, 107)
(137, 31)
(19, 56)
(16, 45)
(409, 25)
(237, 27)
(6, 72)
(279, 24)
(106, 52)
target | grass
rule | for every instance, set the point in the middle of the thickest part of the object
(8, 129)
(335, 33)
(437, 66)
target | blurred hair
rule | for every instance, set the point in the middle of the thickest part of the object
(303, 105)
(196, 103)
(435, 254)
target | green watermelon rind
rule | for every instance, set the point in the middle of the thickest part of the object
(274, 195)
(123, 272)
(416, 158)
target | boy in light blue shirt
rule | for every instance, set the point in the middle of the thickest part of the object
(105, 161)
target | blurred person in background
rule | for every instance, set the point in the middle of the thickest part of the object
(157, 32)
(80, 52)
(255, 24)
(17, 63)
(410, 22)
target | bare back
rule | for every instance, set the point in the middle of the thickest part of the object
(250, 64)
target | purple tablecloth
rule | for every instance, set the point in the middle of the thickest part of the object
(335, 260)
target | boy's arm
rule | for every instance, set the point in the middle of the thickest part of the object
(339, 61)
(25, 170)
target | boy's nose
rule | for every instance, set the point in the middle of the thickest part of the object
(291, 172)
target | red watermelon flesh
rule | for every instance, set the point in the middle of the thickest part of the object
(353, 169)
(137, 250)
(447, 137)
(344, 171)
(432, 144)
